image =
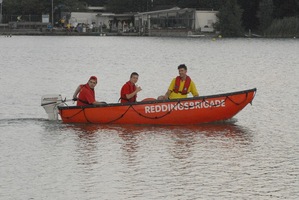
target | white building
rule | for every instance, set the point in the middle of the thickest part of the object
(116, 22)
(83, 17)
(204, 20)
(177, 20)
(111, 21)
(89, 17)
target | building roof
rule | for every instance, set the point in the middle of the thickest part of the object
(116, 15)
(174, 9)
(96, 8)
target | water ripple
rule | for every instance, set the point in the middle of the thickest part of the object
(253, 157)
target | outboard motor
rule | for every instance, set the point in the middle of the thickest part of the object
(50, 103)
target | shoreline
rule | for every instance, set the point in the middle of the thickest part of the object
(32, 32)
(37, 32)
(47, 33)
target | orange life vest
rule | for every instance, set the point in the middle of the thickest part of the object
(186, 85)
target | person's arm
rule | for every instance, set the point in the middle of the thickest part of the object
(193, 90)
(166, 96)
(170, 88)
(77, 92)
(91, 100)
(129, 96)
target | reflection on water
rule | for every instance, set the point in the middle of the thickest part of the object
(127, 132)
(133, 140)
(179, 139)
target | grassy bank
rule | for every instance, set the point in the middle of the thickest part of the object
(283, 28)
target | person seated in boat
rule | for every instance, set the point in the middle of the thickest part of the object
(129, 90)
(180, 86)
(86, 93)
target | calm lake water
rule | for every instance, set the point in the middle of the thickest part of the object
(256, 157)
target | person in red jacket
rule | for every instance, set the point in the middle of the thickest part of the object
(86, 93)
(129, 90)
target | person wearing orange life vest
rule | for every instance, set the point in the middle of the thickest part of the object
(180, 86)
(86, 93)
(129, 90)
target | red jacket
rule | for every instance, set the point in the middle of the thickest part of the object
(86, 96)
(127, 88)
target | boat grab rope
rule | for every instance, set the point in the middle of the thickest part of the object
(227, 97)
(83, 109)
(75, 114)
(156, 117)
(193, 106)
(140, 114)
(179, 103)
(211, 105)
(121, 116)
(55, 108)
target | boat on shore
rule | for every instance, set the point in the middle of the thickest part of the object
(187, 111)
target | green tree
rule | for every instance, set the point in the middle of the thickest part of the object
(249, 15)
(200, 4)
(286, 8)
(229, 19)
(70, 5)
(265, 14)
(38, 7)
(96, 2)
(118, 6)
(122, 6)
(22, 7)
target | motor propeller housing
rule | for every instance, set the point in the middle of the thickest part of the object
(50, 102)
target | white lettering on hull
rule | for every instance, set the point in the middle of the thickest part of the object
(184, 106)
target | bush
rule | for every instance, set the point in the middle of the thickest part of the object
(283, 28)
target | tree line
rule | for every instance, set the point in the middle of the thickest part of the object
(235, 16)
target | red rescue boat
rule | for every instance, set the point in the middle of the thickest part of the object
(197, 110)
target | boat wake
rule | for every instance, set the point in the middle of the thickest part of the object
(12, 121)
(36, 120)
(228, 121)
